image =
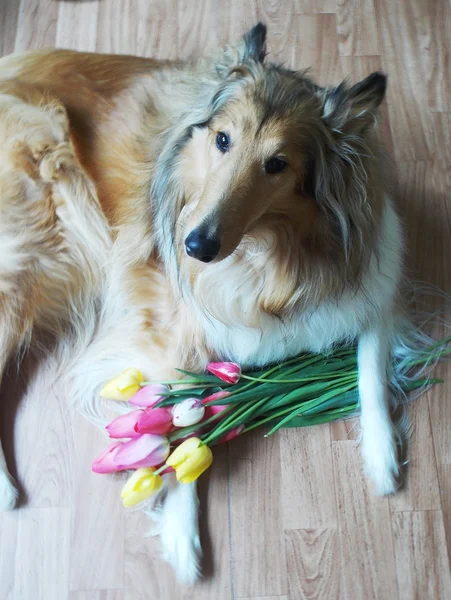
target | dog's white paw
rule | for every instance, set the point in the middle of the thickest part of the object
(8, 491)
(179, 530)
(380, 456)
(182, 550)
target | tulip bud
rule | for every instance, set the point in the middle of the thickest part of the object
(226, 371)
(124, 426)
(190, 460)
(145, 451)
(188, 412)
(124, 386)
(149, 395)
(140, 486)
(104, 463)
(214, 409)
(215, 396)
(154, 420)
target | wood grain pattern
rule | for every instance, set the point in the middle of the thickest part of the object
(413, 49)
(357, 28)
(418, 536)
(286, 518)
(43, 571)
(368, 568)
(8, 18)
(256, 519)
(316, 47)
(265, 598)
(421, 487)
(312, 556)
(36, 24)
(95, 506)
(77, 25)
(98, 595)
(308, 498)
(9, 561)
(347, 429)
(310, 7)
(444, 473)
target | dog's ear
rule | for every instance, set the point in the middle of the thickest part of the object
(353, 110)
(252, 48)
(338, 173)
(255, 43)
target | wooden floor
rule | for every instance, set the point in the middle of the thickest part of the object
(289, 517)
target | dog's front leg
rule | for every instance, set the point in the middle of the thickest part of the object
(379, 448)
(178, 525)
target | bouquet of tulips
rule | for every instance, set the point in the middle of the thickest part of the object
(176, 422)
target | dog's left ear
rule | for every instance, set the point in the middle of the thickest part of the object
(252, 48)
(255, 43)
(353, 110)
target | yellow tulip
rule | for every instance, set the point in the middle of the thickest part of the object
(190, 460)
(124, 386)
(142, 484)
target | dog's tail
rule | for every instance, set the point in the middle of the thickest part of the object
(421, 340)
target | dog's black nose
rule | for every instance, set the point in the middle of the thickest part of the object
(201, 247)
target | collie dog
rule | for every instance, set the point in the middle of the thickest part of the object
(162, 214)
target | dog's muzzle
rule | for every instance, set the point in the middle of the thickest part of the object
(201, 247)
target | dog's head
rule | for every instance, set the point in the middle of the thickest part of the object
(274, 148)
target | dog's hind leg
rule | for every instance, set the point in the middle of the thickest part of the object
(15, 335)
(53, 237)
(8, 490)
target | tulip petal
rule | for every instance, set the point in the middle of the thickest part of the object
(226, 371)
(140, 486)
(149, 395)
(104, 463)
(145, 451)
(230, 435)
(124, 386)
(190, 460)
(188, 412)
(154, 420)
(214, 409)
(216, 396)
(124, 426)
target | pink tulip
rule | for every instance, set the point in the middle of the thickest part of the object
(137, 422)
(226, 371)
(187, 412)
(230, 435)
(154, 420)
(149, 395)
(104, 463)
(214, 409)
(216, 396)
(145, 451)
(125, 425)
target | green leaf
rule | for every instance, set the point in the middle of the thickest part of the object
(201, 378)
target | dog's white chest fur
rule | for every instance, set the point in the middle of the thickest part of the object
(314, 330)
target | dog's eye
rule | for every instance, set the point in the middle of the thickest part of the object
(222, 141)
(275, 165)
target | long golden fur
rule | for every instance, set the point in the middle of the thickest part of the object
(109, 163)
